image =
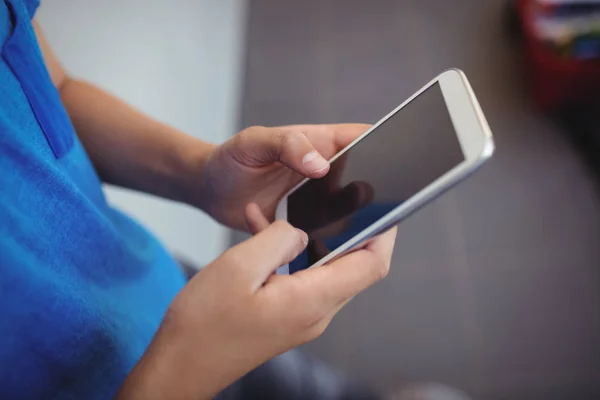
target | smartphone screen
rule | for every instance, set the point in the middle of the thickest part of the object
(402, 156)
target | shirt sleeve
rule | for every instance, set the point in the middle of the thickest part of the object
(31, 6)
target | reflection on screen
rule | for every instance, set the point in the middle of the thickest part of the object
(410, 150)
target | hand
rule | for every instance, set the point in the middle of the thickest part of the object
(261, 164)
(235, 314)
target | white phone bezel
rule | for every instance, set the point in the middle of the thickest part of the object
(475, 139)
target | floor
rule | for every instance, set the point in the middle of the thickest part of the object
(495, 287)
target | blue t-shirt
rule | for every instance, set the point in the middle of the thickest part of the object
(83, 288)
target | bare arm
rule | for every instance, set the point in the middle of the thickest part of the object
(127, 148)
(234, 314)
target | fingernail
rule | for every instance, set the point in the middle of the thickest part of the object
(314, 162)
(303, 236)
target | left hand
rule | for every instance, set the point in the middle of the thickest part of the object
(260, 164)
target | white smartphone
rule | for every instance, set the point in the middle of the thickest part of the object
(425, 146)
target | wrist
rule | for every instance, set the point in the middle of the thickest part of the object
(167, 370)
(191, 157)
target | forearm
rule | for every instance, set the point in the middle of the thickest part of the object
(182, 364)
(163, 373)
(130, 149)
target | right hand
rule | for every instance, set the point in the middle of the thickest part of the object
(235, 314)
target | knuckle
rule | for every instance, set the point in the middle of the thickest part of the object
(278, 140)
(253, 129)
(315, 331)
(287, 140)
(277, 134)
(247, 134)
(381, 271)
(232, 258)
(239, 140)
(309, 318)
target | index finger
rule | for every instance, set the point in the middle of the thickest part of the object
(335, 283)
(255, 259)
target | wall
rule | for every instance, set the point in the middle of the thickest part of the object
(494, 287)
(178, 61)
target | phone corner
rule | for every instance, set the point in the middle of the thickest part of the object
(454, 71)
(488, 148)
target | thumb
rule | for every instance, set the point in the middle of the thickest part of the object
(258, 257)
(260, 146)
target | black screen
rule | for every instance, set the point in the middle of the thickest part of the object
(402, 156)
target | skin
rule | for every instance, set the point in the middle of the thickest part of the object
(235, 314)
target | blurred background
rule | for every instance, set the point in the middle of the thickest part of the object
(495, 287)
